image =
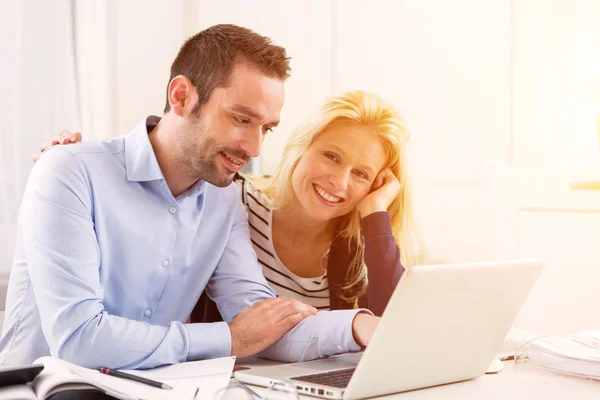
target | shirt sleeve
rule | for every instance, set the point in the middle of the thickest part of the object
(382, 257)
(63, 260)
(238, 283)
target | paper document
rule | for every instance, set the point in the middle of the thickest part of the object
(595, 333)
(208, 376)
(571, 354)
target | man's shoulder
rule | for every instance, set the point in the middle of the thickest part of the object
(109, 147)
(92, 153)
(74, 161)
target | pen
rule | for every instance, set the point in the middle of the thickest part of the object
(196, 394)
(119, 374)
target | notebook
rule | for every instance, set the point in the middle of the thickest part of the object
(58, 376)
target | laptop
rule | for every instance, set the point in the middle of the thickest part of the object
(443, 324)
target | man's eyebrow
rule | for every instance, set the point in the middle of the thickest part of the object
(250, 113)
(246, 111)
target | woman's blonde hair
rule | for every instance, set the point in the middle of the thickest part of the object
(364, 109)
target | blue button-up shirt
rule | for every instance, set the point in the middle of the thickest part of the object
(109, 266)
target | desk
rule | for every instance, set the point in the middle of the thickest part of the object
(512, 383)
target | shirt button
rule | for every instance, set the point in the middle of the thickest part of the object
(172, 210)
(147, 313)
(340, 348)
(165, 263)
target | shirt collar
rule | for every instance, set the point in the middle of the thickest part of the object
(195, 190)
(140, 160)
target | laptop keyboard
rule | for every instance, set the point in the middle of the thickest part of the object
(338, 379)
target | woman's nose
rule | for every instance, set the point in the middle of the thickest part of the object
(340, 180)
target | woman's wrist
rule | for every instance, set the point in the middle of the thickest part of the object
(369, 209)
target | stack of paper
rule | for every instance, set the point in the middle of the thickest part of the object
(577, 355)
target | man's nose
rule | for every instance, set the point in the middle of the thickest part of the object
(253, 144)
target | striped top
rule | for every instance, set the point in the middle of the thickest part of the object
(312, 291)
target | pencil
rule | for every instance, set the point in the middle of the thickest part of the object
(119, 374)
(196, 394)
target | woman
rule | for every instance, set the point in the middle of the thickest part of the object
(329, 224)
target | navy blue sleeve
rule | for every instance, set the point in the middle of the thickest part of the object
(382, 257)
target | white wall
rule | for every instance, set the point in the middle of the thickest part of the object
(556, 59)
(147, 44)
(446, 66)
(554, 144)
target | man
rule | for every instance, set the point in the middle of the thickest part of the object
(118, 239)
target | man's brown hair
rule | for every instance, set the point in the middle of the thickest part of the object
(208, 57)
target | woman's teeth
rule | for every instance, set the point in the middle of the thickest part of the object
(329, 197)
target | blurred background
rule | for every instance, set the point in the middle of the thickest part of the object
(502, 98)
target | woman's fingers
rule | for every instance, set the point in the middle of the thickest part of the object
(63, 137)
(75, 137)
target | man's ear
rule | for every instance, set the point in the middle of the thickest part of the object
(182, 95)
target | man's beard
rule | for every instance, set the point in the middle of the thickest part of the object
(201, 157)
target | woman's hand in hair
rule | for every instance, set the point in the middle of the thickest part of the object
(385, 189)
(64, 137)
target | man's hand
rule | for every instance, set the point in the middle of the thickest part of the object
(258, 327)
(64, 137)
(363, 327)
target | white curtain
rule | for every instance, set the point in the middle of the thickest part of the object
(38, 95)
(96, 38)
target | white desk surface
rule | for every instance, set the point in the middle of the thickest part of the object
(514, 382)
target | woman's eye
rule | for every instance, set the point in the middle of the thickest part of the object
(241, 121)
(267, 130)
(332, 157)
(361, 175)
